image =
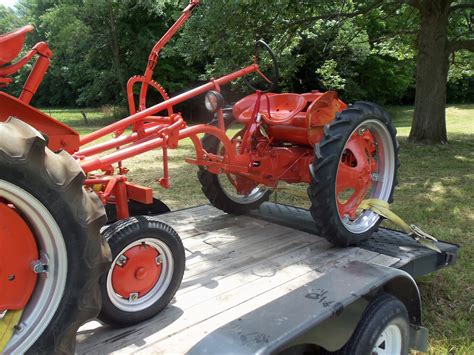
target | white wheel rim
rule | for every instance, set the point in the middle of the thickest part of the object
(389, 341)
(50, 286)
(167, 269)
(386, 172)
(230, 191)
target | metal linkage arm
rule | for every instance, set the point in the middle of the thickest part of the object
(153, 58)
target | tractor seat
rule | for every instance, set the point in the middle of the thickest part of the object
(307, 127)
(11, 44)
(274, 108)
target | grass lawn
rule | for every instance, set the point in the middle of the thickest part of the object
(435, 192)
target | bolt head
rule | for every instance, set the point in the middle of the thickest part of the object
(159, 259)
(133, 297)
(121, 260)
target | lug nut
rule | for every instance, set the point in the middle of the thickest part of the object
(38, 267)
(121, 260)
(133, 297)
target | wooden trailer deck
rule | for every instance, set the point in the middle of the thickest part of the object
(235, 264)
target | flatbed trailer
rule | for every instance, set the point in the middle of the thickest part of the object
(264, 282)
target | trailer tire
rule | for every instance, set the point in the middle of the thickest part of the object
(214, 190)
(384, 325)
(326, 205)
(46, 187)
(160, 284)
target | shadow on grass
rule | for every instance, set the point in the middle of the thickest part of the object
(435, 192)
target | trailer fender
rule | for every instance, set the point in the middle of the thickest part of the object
(335, 331)
(60, 136)
(324, 311)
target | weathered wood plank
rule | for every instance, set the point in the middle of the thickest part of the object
(181, 341)
(235, 264)
(240, 298)
(219, 237)
(262, 261)
(230, 258)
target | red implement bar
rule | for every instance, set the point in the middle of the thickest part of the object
(139, 116)
(153, 58)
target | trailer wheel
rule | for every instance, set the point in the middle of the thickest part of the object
(383, 329)
(147, 269)
(46, 190)
(356, 160)
(220, 188)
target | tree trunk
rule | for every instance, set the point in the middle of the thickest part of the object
(432, 64)
(115, 48)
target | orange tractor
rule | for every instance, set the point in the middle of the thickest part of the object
(55, 270)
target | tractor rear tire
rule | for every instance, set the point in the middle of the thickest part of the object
(214, 190)
(325, 202)
(46, 188)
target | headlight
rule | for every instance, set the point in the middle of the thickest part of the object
(214, 101)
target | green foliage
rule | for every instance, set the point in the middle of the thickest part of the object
(98, 45)
(330, 78)
(314, 52)
(8, 19)
(461, 77)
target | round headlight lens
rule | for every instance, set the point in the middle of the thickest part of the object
(214, 101)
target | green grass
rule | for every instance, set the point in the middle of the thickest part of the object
(435, 192)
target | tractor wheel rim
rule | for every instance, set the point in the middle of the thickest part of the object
(389, 341)
(228, 182)
(136, 303)
(381, 174)
(50, 286)
(229, 189)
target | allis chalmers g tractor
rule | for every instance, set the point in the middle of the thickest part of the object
(54, 184)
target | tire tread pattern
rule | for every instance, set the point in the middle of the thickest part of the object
(321, 190)
(124, 232)
(25, 148)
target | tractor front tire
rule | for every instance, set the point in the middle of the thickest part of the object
(146, 272)
(65, 219)
(358, 156)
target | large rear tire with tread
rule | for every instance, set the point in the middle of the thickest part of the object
(46, 188)
(214, 186)
(358, 156)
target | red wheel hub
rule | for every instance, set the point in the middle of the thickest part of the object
(136, 271)
(355, 172)
(18, 251)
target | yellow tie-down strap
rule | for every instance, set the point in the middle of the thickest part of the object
(382, 208)
(7, 327)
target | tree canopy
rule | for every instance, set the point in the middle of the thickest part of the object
(365, 49)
